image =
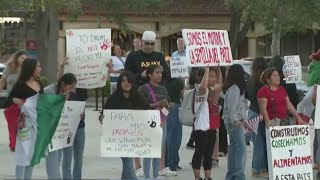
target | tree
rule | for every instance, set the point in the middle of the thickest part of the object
(282, 16)
(46, 16)
(240, 12)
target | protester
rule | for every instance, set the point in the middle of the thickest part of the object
(274, 105)
(137, 46)
(116, 66)
(234, 113)
(223, 136)
(193, 80)
(252, 87)
(126, 97)
(181, 52)
(277, 62)
(75, 151)
(207, 120)
(175, 89)
(66, 85)
(8, 79)
(138, 62)
(28, 84)
(12, 70)
(158, 99)
(314, 69)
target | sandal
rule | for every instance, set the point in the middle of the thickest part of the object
(167, 172)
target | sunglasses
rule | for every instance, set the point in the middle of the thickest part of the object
(148, 43)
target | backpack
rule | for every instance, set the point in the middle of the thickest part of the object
(186, 111)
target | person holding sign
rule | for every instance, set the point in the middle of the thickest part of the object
(158, 98)
(234, 114)
(126, 97)
(137, 62)
(274, 104)
(116, 66)
(66, 84)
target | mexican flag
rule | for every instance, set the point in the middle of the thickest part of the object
(42, 118)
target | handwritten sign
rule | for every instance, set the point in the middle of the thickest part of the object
(207, 47)
(68, 125)
(292, 69)
(131, 133)
(89, 52)
(179, 67)
(289, 152)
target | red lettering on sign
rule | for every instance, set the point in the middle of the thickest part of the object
(194, 38)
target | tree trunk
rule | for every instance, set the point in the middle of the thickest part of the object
(277, 29)
(234, 30)
(47, 29)
(237, 35)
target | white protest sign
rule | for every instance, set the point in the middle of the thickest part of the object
(89, 52)
(68, 125)
(317, 111)
(131, 133)
(207, 47)
(292, 69)
(179, 67)
(289, 152)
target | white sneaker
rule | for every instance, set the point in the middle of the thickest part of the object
(167, 172)
(139, 172)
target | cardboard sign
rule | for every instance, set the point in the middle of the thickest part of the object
(68, 125)
(292, 69)
(131, 133)
(89, 52)
(289, 152)
(207, 47)
(179, 67)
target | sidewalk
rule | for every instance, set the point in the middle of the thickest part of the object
(96, 167)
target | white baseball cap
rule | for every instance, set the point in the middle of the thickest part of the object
(149, 36)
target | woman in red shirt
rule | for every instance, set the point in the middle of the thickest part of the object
(273, 100)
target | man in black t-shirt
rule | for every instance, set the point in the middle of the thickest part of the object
(137, 62)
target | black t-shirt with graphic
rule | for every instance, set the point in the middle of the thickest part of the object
(138, 61)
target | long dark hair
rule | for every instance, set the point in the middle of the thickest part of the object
(235, 76)
(67, 79)
(196, 76)
(258, 66)
(27, 69)
(277, 62)
(134, 96)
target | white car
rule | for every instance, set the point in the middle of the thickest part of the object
(2, 67)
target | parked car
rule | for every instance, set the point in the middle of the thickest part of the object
(302, 87)
(2, 67)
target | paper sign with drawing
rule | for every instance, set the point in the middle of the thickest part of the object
(131, 133)
(89, 52)
(68, 125)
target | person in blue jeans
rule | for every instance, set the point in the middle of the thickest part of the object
(126, 97)
(175, 88)
(66, 85)
(234, 113)
(75, 151)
